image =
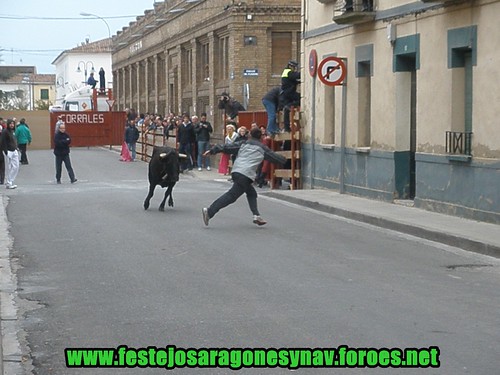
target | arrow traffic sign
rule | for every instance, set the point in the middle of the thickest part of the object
(332, 71)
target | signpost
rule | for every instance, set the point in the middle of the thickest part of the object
(313, 70)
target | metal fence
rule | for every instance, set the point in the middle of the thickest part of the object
(459, 143)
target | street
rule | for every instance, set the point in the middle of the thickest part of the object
(95, 270)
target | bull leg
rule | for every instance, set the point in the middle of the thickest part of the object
(162, 204)
(171, 199)
(150, 195)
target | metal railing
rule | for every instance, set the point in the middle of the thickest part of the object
(354, 6)
(459, 143)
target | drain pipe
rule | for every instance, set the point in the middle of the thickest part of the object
(343, 133)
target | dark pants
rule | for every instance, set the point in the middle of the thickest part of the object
(185, 148)
(291, 100)
(67, 163)
(241, 184)
(24, 157)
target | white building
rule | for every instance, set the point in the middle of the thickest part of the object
(73, 66)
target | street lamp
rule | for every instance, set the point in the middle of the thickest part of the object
(85, 68)
(96, 16)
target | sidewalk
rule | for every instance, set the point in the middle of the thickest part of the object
(466, 234)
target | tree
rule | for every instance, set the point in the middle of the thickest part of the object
(42, 105)
(13, 100)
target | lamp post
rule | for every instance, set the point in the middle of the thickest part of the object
(84, 14)
(85, 68)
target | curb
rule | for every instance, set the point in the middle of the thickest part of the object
(437, 236)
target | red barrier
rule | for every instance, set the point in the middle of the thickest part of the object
(246, 118)
(91, 128)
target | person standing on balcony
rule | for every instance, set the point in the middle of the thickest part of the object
(91, 81)
(102, 80)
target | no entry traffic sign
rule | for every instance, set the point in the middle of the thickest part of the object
(332, 71)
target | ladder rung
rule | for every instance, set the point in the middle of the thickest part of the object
(286, 173)
(288, 154)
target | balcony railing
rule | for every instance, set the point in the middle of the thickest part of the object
(353, 11)
(459, 143)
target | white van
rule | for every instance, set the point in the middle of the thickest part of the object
(81, 100)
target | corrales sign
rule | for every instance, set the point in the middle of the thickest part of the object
(83, 118)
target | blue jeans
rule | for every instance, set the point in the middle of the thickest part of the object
(202, 147)
(271, 116)
(131, 148)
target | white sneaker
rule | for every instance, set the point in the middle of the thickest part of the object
(208, 168)
(199, 168)
(258, 220)
(11, 186)
(204, 212)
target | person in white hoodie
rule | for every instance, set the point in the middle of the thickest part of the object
(8, 145)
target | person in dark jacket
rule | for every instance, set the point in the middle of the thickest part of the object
(290, 79)
(185, 137)
(203, 129)
(230, 106)
(8, 145)
(62, 140)
(271, 103)
(250, 155)
(131, 137)
(91, 81)
(102, 80)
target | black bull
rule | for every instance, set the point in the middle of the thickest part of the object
(163, 171)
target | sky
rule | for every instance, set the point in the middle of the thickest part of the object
(35, 32)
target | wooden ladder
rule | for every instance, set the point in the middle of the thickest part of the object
(288, 145)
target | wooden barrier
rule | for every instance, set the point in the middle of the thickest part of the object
(150, 138)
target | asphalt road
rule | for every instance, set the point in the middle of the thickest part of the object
(94, 269)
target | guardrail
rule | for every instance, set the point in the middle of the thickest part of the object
(459, 143)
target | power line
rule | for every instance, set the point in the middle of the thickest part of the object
(16, 17)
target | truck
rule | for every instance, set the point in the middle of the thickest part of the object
(86, 98)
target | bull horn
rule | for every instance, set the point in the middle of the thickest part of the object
(183, 156)
(163, 154)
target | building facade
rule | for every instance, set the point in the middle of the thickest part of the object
(32, 90)
(416, 117)
(181, 55)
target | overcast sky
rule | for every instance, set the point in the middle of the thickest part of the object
(35, 32)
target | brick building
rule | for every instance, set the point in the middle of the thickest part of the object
(181, 55)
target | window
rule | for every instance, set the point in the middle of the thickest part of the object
(223, 58)
(462, 56)
(187, 67)
(44, 94)
(204, 61)
(281, 51)
(364, 71)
